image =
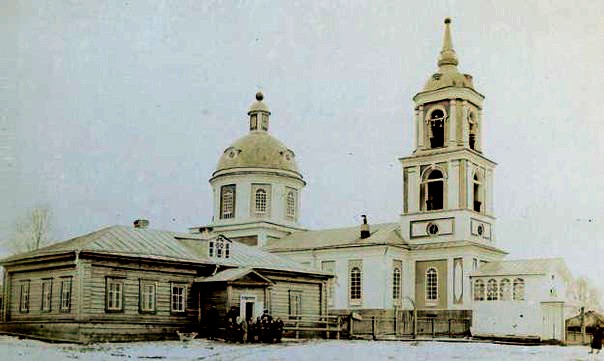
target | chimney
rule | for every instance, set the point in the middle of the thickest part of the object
(364, 228)
(141, 223)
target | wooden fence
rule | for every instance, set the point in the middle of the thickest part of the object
(402, 325)
(313, 326)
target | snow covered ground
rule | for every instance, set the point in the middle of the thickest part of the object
(14, 349)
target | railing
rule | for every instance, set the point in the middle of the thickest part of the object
(318, 325)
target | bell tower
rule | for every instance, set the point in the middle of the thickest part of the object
(447, 180)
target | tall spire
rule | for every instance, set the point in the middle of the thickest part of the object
(447, 54)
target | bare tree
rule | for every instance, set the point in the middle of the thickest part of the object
(32, 231)
(583, 293)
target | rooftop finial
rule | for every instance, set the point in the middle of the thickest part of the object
(447, 54)
(259, 114)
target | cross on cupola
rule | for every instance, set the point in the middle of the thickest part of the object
(259, 114)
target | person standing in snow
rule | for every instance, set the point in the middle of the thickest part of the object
(596, 340)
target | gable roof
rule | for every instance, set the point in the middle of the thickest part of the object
(537, 266)
(165, 245)
(380, 234)
(232, 274)
(591, 318)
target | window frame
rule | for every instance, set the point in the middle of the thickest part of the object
(505, 294)
(219, 248)
(24, 296)
(296, 296)
(184, 296)
(232, 188)
(479, 290)
(66, 288)
(355, 288)
(142, 304)
(396, 283)
(428, 286)
(46, 295)
(492, 290)
(109, 306)
(291, 203)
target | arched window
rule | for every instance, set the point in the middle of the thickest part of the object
(261, 201)
(505, 290)
(355, 284)
(227, 201)
(518, 289)
(478, 290)
(477, 193)
(290, 204)
(492, 290)
(432, 190)
(396, 283)
(436, 128)
(431, 284)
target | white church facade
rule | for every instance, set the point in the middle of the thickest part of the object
(438, 258)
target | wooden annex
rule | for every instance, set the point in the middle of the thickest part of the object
(133, 283)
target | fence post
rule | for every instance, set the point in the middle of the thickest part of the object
(395, 324)
(339, 320)
(327, 324)
(351, 326)
(433, 331)
(297, 327)
(450, 333)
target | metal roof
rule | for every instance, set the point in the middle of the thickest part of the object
(380, 234)
(166, 245)
(538, 266)
(232, 274)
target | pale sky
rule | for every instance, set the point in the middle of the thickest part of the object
(112, 111)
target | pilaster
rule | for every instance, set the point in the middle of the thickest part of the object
(465, 125)
(452, 122)
(420, 127)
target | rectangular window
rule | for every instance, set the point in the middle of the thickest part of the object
(227, 201)
(24, 297)
(114, 294)
(330, 267)
(46, 295)
(295, 304)
(66, 294)
(147, 296)
(179, 297)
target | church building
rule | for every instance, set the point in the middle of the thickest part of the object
(426, 261)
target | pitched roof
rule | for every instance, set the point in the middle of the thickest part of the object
(381, 234)
(165, 245)
(537, 266)
(591, 318)
(232, 274)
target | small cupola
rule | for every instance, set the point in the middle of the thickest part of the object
(259, 114)
(364, 228)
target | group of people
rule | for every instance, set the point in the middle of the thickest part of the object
(263, 329)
